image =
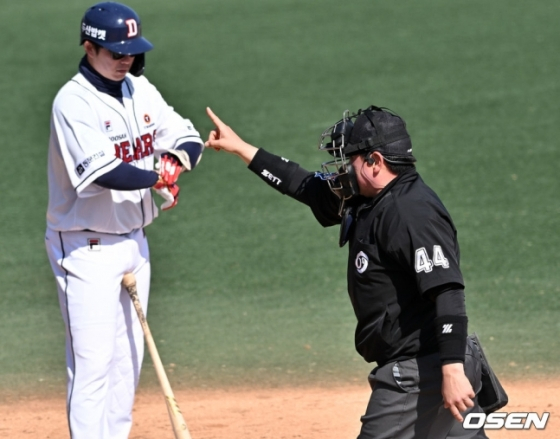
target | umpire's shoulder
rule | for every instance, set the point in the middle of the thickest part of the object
(414, 202)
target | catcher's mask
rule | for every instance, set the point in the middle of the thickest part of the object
(372, 129)
(117, 28)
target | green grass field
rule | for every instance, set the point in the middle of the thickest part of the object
(247, 288)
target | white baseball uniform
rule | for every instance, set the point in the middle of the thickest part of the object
(95, 235)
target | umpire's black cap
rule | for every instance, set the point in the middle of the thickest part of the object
(379, 129)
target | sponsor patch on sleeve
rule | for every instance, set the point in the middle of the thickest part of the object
(82, 166)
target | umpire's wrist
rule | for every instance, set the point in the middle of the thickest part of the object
(452, 369)
(446, 362)
(451, 334)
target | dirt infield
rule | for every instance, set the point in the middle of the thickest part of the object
(285, 413)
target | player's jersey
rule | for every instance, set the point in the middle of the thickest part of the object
(402, 244)
(91, 134)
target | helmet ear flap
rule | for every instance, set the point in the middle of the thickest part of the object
(138, 65)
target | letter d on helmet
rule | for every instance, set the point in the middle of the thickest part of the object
(117, 28)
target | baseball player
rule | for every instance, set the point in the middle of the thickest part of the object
(108, 124)
(403, 272)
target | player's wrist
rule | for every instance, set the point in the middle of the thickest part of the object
(160, 182)
(170, 167)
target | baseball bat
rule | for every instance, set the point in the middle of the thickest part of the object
(177, 421)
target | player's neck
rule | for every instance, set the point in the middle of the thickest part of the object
(102, 84)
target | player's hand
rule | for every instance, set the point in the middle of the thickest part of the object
(170, 193)
(169, 168)
(456, 389)
(174, 191)
(171, 196)
(223, 137)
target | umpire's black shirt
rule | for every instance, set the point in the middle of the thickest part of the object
(402, 244)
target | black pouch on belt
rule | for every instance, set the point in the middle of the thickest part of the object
(492, 396)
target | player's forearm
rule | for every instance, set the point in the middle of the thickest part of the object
(126, 177)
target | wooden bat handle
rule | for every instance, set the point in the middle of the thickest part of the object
(177, 421)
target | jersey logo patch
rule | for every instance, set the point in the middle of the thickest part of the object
(326, 176)
(362, 262)
(108, 126)
(80, 169)
(94, 244)
(147, 118)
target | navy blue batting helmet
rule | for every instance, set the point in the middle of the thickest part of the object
(117, 28)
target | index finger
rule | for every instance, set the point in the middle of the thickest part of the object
(219, 124)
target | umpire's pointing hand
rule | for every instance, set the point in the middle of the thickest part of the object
(223, 137)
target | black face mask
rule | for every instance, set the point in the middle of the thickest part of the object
(342, 182)
(348, 182)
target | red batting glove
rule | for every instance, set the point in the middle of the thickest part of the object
(160, 184)
(169, 193)
(170, 204)
(169, 168)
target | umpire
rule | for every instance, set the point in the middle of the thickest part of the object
(404, 280)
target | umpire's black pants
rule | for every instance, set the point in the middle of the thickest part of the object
(406, 400)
